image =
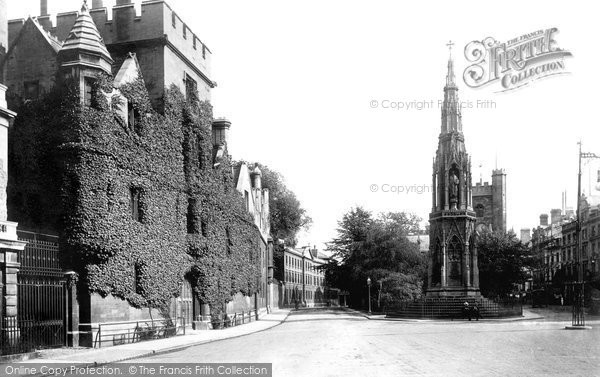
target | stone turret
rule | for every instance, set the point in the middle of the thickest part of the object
(83, 54)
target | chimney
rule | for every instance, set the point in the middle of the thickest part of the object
(555, 216)
(220, 131)
(43, 7)
(543, 219)
(525, 235)
(97, 4)
(123, 2)
(256, 177)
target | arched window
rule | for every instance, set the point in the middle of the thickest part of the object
(479, 210)
(454, 248)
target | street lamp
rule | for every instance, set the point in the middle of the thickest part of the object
(578, 319)
(369, 285)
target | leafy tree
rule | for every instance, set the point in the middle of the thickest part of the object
(376, 248)
(503, 261)
(287, 215)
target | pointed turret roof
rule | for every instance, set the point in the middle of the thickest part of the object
(129, 71)
(84, 36)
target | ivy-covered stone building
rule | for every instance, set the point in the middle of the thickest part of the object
(115, 150)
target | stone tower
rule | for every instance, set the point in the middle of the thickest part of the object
(452, 253)
(499, 200)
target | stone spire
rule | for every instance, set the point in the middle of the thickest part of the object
(452, 269)
(452, 166)
(84, 38)
(451, 116)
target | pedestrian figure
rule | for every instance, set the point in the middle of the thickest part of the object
(475, 312)
(466, 310)
(562, 300)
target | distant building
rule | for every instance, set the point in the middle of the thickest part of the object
(421, 239)
(525, 235)
(556, 247)
(489, 202)
(303, 278)
(248, 181)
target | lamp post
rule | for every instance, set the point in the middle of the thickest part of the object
(369, 286)
(578, 318)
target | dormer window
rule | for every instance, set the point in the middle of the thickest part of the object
(133, 118)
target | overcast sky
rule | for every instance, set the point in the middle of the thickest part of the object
(297, 80)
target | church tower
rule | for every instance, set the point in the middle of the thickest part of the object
(452, 255)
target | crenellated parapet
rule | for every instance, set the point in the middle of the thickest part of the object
(482, 189)
(121, 27)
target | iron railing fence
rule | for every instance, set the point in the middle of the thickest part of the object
(117, 333)
(40, 300)
(21, 336)
(452, 307)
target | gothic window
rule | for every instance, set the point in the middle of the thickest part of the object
(229, 242)
(88, 92)
(135, 204)
(137, 278)
(454, 249)
(191, 220)
(454, 255)
(174, 20)
(479, 210)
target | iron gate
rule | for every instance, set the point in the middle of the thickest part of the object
(41, 298)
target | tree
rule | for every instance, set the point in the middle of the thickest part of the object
(503, 262)
(376, 248)
(287, 215)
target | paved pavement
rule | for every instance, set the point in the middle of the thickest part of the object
(337, 342)
(343, 343)
(135, 350)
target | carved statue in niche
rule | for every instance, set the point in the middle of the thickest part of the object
(453, 183)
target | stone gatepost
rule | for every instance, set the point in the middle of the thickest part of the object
(72, 315)
(9, 267)
(9, 243)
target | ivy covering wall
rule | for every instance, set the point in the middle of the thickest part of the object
(139, 205)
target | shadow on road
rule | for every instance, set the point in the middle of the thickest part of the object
(323, 314)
